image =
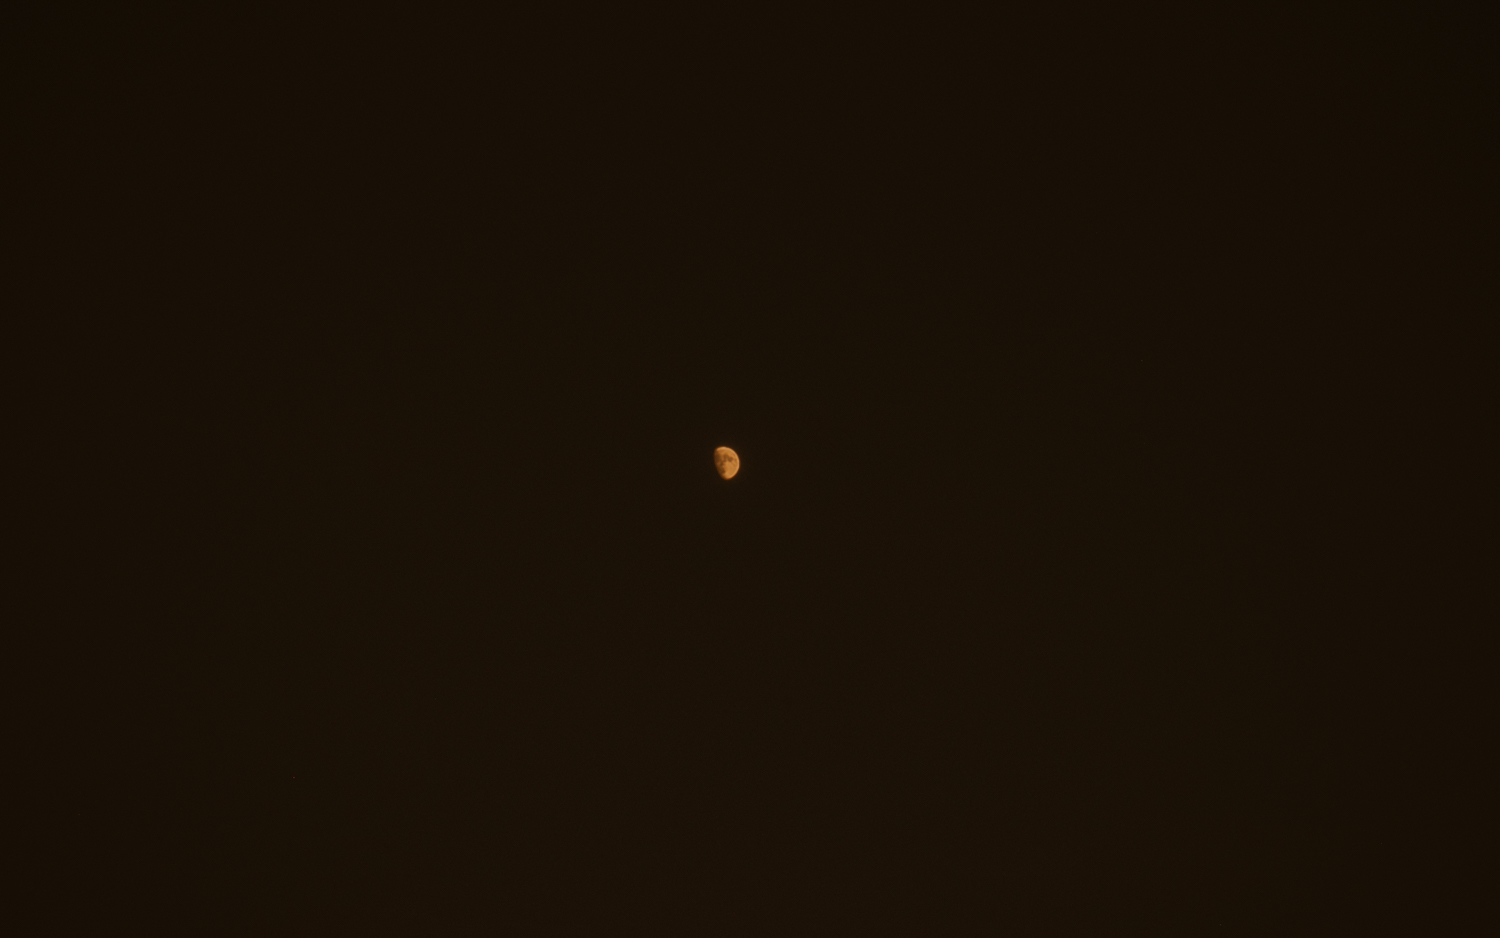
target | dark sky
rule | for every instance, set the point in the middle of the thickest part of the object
(1087, 432)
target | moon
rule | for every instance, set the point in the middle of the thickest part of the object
(727, 461)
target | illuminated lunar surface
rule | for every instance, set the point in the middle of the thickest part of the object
(727, 461)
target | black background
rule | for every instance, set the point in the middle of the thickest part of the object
(1101, 393)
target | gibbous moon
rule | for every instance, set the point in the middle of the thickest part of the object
(727, 461)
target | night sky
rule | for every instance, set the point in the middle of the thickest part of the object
(1081, 575)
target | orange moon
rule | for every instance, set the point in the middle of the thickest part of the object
(727, 461)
